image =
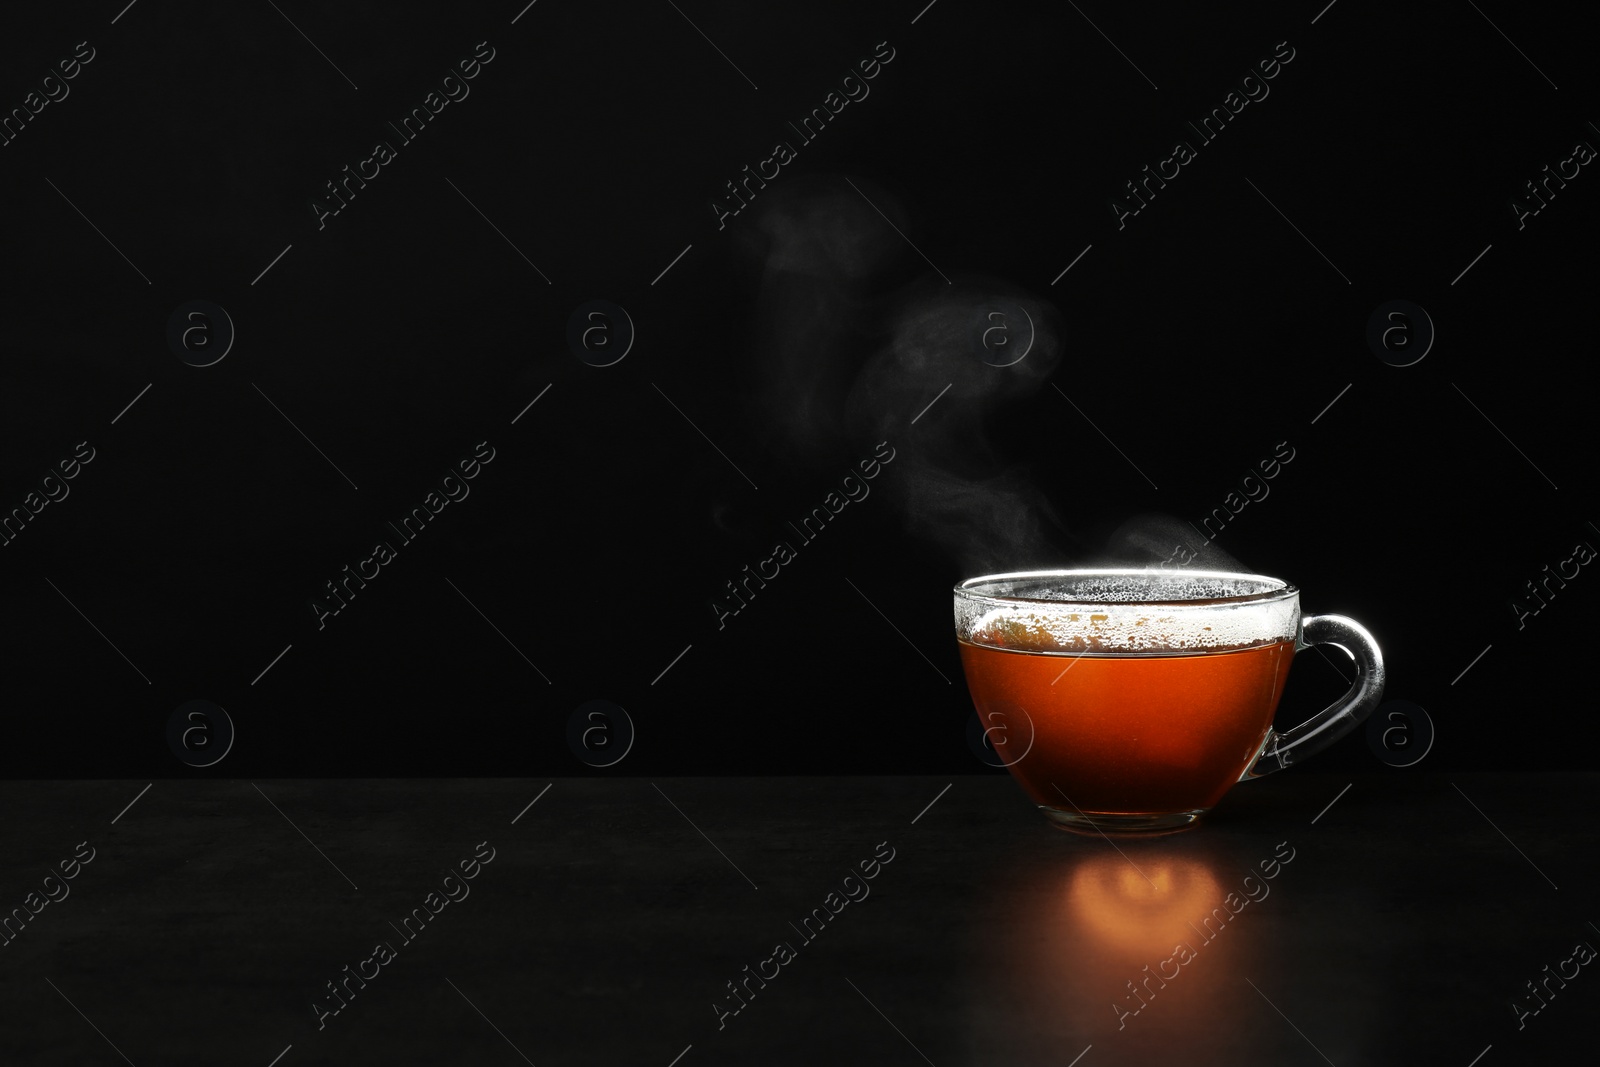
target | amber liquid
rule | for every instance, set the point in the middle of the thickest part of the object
(1125, 734)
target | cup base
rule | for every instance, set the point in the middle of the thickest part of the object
(1141, 823)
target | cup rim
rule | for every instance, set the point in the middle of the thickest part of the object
(1284, 591)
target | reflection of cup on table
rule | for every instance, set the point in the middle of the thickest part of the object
(1074, 948)
(1132, 700)
(1141, 909)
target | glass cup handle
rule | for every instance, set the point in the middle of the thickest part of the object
(1280, 750)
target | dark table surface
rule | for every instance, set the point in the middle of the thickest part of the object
(1401, 923)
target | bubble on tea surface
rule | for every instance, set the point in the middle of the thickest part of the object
(1144, 611)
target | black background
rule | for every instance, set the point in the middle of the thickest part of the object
(408, 329)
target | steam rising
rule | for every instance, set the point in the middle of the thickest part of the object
(819, 247)
(850, 357)
(851, 363)
(1153, 539)
(956, 489)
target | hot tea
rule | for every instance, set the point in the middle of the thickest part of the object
(1134, 699)
(1129, 734)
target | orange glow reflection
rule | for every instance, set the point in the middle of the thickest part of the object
(1144, 903)
(1075, 946)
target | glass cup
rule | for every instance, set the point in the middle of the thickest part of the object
(1131, 700)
